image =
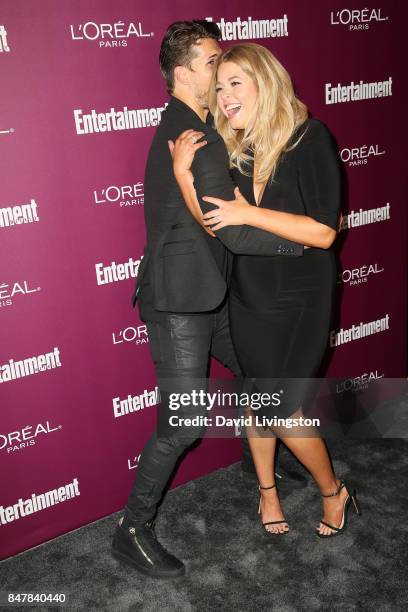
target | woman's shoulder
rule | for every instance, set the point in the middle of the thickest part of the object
(313, 130)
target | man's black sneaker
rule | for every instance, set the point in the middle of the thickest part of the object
(137, 545)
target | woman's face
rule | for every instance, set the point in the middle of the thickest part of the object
(236, 94)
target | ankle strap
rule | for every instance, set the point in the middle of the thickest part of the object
(341, 485)
(265, 488)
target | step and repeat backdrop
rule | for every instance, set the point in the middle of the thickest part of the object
(81, 96)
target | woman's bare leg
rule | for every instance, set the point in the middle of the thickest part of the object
(311, 451)
(263, 450)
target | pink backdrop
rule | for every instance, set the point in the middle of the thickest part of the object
(83, 197)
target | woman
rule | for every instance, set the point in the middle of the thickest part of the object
(286, 166)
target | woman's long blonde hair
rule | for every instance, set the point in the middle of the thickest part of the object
(275, 116)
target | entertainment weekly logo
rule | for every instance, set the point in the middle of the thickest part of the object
(19, 214)
(357, 19)
(354, 92)
(359, 276)
(360, 156)
(9, 292)
(4, 46)
(135, 403)
(359, 331)
(13, 370)
(252, 29)
(357, 218)
(124, 196)
(26, 437)
(108, 35)
(117, 120)
(137, 335)
(117, 272)
(38, 502)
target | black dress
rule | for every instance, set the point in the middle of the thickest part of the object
(280, 307)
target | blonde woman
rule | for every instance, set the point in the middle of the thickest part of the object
(286, 168)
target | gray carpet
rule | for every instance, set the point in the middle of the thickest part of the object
(212, 524)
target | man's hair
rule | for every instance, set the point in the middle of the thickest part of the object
(177, 48)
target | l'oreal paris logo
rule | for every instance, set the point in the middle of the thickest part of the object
(359, 382)
(358, 276)
(23, 438)
(359, 156)
(125, 195)
(109, 34)
(356, 19)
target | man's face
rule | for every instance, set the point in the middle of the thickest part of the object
(202, 68)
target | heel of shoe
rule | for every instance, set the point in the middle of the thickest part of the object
(355, 504)
(350, 499)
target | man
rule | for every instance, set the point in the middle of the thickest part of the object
(182, 284)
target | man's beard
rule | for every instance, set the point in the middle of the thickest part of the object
(202, 98)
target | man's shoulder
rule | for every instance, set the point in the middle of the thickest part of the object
(213, 157)
(176, 119)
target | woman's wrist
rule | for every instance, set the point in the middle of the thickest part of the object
(181, 173)
(250, 215)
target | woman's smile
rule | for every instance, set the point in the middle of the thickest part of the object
(232, 109)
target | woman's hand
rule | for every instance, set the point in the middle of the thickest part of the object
(184, 149)
(182, 152)
(234, 212)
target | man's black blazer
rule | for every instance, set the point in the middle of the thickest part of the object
(177, 262)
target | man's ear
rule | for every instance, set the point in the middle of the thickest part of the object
(181, 75)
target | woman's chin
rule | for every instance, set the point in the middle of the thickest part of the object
(236, 124)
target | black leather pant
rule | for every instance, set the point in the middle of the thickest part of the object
(180, 347)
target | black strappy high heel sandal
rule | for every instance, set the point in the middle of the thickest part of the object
(350, 498)
(271, 522)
